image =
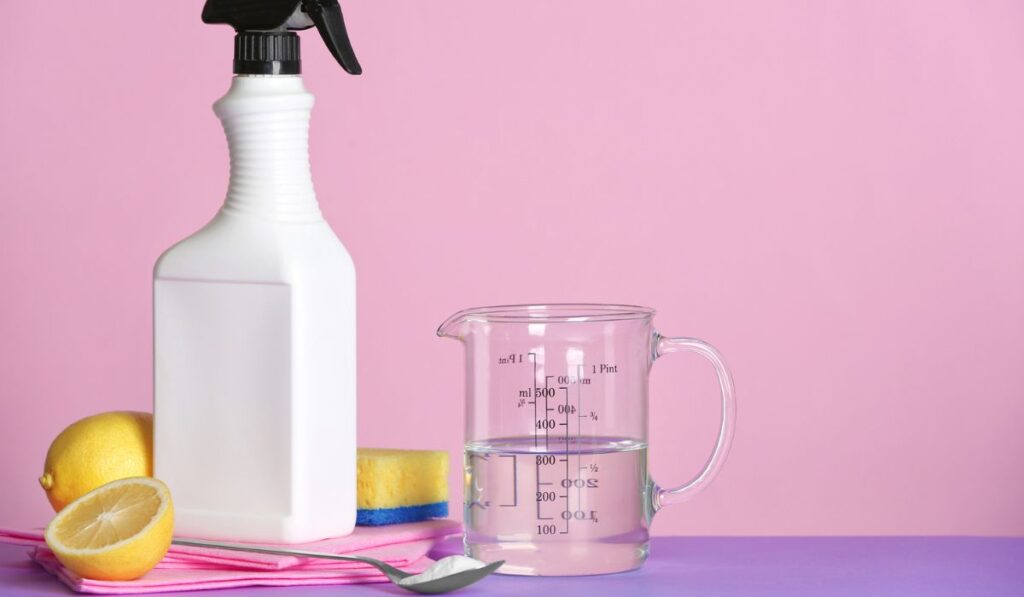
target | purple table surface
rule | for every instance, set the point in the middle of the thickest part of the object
(706, 567)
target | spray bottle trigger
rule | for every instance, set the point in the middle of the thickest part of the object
(326, 15)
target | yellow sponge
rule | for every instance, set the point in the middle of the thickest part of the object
(394, 486)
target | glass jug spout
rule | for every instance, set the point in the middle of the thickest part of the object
(455, 326)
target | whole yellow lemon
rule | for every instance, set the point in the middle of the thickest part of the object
(95, 451)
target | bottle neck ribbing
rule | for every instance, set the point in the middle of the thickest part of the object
(266, 119)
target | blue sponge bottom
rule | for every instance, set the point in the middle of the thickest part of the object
(381, 516)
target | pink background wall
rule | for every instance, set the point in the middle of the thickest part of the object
(832, 193)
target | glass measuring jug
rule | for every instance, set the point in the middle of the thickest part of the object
(556, 435)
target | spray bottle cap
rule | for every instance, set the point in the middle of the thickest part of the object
(264, 40)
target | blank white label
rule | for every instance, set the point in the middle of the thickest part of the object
(223, 434)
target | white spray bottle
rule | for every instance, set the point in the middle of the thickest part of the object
(254, 314)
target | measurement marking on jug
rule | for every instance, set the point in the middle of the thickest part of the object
(571, 380)
(515, 480)
(511, 359)
(579, 431)
(548, 423)
(545, 459)
(566, 459)
(558, 411)
(533, 382)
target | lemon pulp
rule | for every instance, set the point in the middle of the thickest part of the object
(116, 532)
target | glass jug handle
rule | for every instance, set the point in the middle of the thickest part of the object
(674, 495)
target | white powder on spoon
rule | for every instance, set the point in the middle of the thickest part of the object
(441, 568)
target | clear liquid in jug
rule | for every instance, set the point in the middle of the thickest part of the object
(558, 506)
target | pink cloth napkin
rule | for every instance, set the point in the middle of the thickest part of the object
(191, 568)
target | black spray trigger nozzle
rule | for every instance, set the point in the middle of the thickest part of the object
(275, 18)
(326, 15)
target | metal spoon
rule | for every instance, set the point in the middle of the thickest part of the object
(444, 584)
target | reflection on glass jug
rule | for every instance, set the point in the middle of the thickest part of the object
(556, 435)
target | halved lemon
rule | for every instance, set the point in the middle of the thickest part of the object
(118, 531)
